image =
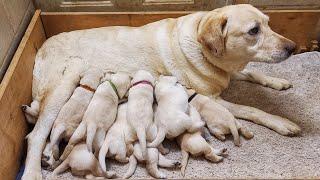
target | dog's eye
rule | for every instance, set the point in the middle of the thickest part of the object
(254, 31)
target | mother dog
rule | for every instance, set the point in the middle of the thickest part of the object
(203, 50)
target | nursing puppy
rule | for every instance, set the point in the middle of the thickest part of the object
(82, 163)
(154, 159)
(140, 106)
(196, 145)
(101, 112)
(173, 115)
(72, 112)
(118, 143)
(219, 120)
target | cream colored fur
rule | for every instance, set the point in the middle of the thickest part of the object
(196, 145)
(140, 107)
(173, 115)
(72, 112)
(152, 161)
(218, 119)
(118, 142)
(82, 163)
(202, 50)
(100, 114)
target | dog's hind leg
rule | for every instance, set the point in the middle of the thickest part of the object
(61, 168)
(209, 153)
(152, 164)
(161, 134)
(132, 167)
(76, 137)
(279, 124)
(55, 137)
(91, 132)
(141, 134)
(260, 78)
(167, 163)
(184, 161)
(37, 138)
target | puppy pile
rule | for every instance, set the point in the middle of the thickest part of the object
(98, 123)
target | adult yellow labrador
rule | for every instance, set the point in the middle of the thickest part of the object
(203, 50)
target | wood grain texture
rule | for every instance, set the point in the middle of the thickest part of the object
(298, 25)
(15, 90)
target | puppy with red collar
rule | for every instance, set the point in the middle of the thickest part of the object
(72, 112)
(101, 113)
(140, 107)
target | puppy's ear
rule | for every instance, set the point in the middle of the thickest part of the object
(211, 34)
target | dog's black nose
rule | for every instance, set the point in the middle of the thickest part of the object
(290, 48)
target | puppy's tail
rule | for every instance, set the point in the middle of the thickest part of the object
(159, 139)
(141, 133)
(56, 134)
(91, 132)
(132, 167)
(102, 155)
(184, 162)
(76, 137)
(234, 132)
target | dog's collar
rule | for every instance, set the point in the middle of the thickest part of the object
(142, 82)
(114, 88)
(192, 96)
(86, 87)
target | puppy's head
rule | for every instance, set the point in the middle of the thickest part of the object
(91, 77)
(163, 83)
(239, 34)
(143, 75)
(122, 82)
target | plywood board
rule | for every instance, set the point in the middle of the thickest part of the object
(15, 90)
(298, 25)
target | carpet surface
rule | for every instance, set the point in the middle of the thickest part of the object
(268, 154)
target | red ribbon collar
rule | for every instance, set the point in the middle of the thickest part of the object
(142, 82)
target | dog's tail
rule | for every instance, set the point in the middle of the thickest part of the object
(234, 132)
(159, 138)
(76, 137)
(102, 155)
(141, 133)
(91, 132)
(132, 167)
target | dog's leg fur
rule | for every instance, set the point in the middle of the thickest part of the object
(91, 132)
(152, 164)
(55, 138)
(260, 78)
(167, 163)
(161, 134)
(184, 161)
(37, 138)
(163, 149)
(279, 124)
(76, 137)
(132, 167)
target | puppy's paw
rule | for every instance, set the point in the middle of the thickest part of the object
(177, 164)
(111, 174)
(277, 83)
(24, 108)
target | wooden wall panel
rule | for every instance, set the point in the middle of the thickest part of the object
(15, 90)
(300, 26)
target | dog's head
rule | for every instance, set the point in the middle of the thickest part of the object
(122, 82)
(238, 34)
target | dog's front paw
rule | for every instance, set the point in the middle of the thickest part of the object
(277, 83)
(286, 128)
(35, 175)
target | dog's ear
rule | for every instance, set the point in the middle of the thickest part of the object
(211, 34)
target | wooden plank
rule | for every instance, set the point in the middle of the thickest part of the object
(14, 91)
(298, 25)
